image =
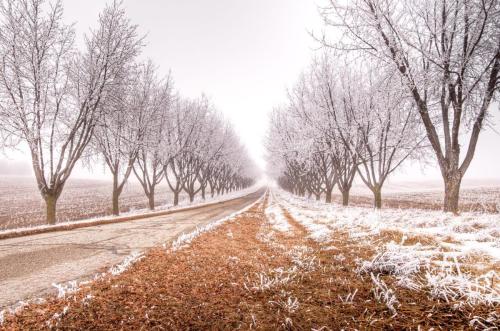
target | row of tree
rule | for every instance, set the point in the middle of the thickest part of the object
(397, 80)
(340, 122)
(99, 101)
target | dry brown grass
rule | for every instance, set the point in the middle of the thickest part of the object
(210, 285)
(409, 238)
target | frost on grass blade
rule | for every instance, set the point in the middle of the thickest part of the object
(450, 285)
(65, 289)
(56, 318)
(126, 263)
(394, 259)
(470, 232)
(384, 294)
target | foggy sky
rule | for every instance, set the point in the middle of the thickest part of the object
(242, 54)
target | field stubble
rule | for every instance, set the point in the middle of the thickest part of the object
(22, 206)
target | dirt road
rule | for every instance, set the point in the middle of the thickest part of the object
(29, 265)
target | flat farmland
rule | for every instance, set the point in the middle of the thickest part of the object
(475, 196)
(485, 200)
(21, 205)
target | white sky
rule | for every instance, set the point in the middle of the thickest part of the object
(242, 53)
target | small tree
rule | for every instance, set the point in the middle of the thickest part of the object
(155, 145)
(122, 131)
(386, 125)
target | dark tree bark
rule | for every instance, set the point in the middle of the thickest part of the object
(457, 85)
(51, 202)
(151, 199)
(452, 193)
(328, 197)
(176, 198)
(377, 198)
(345, 197)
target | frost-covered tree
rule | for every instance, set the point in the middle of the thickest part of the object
(385, 123)
(289, 150)
(122, 132)
(447, 54)
(322, 84)
(51, 93)
(340, 121)
(204, 151)
(180, 164)
(156, 144)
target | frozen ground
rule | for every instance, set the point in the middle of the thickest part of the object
(124, 216)
(289, 263)
(451, 257)
(475, 195)
(22, 206)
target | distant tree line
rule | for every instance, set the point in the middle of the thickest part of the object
(100, 102)
(396, 80)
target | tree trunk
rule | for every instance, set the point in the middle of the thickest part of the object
(51, 202)
(176, 198)
(203, 192)
(345, 198)
(377, 195)
(452, 193)
(328, 198)
(116, 195)
(191, 196)
(151, 200)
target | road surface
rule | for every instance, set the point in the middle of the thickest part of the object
(29, 265)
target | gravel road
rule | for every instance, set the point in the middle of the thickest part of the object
(29, 265)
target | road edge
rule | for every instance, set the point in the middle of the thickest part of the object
(76, 225)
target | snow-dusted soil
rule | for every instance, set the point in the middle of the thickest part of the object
(454, 258)
(126, 216)
(476, 198)
(22, 206)
(274, 214)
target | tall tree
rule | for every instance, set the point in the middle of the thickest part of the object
(51, 94)
(448, 56)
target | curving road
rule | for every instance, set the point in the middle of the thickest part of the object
(29, 265)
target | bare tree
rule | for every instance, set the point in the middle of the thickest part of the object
(448, 56)
(156, 144)
(386, 125)
(289, 149)
(51, 94)
(339, 122)
(121, 132)
(176, 163)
